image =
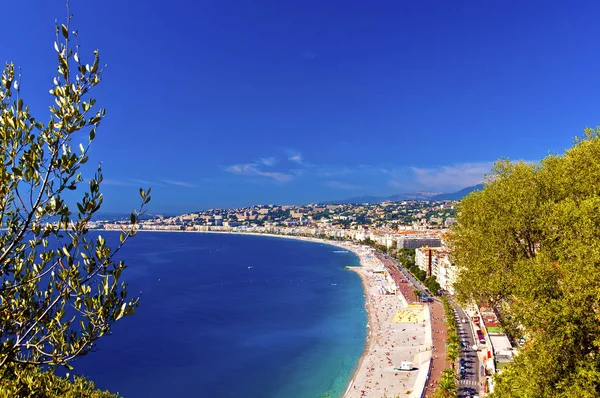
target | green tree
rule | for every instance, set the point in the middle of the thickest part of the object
(452, 353)
(30, 381)
(448, 386)
(432, 284)
(60, 290)
(528, 244)
(417, 294)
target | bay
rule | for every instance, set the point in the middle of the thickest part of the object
(230, 316)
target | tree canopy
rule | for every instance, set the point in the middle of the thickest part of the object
(31, 381)
(60, 290)
(528, 245)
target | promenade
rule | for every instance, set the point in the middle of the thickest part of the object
(437, 324)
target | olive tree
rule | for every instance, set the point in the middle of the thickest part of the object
(60, 289)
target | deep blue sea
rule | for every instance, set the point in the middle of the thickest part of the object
(232, 316)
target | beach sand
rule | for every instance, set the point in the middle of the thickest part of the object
(398, 332)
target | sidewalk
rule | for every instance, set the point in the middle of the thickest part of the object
(439, 330)
(439, 333)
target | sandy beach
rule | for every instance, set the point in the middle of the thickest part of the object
(399, 334)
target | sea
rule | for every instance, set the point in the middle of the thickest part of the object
(232, 316)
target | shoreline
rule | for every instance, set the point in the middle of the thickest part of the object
(370, 322)
(381, 310)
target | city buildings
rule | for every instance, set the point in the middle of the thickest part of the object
(419, 225)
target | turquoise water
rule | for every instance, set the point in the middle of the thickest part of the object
(233, 316)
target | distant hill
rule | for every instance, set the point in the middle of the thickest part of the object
(379, 199)
(458, 195)
(407, 196)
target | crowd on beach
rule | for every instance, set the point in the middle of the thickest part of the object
(438, 328)
(392, 342)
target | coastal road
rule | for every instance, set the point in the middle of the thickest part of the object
(407, 275)
(468, 383)
(438, 326)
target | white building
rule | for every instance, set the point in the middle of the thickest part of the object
(424, 259)
(447, 273)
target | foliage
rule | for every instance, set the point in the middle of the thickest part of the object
(417, 294)
(59, 289)
(31, 381)
(453, 348)
(418, 273)
(406, 257)
(432, 284)
(448, 386)
(528, 244)
(382, 248)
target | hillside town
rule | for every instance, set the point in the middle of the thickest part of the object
(392, 226)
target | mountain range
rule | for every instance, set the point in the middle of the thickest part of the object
(419, 195)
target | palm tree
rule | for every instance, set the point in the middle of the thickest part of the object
(452, 353)
(453, 338)
(448, 384)
(417, 294)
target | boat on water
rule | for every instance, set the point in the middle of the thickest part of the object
(340, 251)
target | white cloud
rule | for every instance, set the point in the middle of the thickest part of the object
(277, 176)
(456, 176)
(269, 161)
(252, 169)
(180, 183)
(445, 178)
(296, 158)
(146, 183)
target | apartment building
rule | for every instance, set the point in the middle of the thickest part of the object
(424, 258)
(446, 273)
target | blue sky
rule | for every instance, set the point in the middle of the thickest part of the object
(230, 103)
